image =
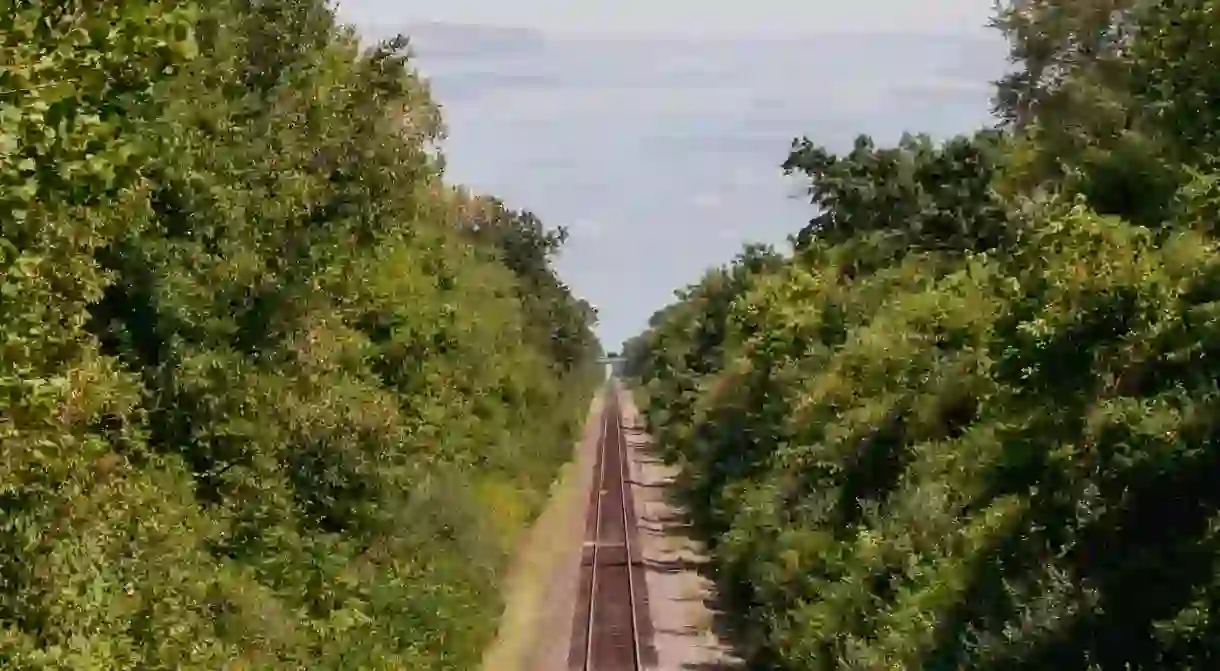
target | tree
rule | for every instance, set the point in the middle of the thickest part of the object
(928, 196)
(1052, 43)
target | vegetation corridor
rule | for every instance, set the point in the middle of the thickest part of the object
(276, 394)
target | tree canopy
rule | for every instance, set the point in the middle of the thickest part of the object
(271, 395)
(970, 422)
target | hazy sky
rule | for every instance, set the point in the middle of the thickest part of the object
(691, 16)
(662, 155)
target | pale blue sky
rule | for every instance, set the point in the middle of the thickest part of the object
(658, 141)
(691, 16)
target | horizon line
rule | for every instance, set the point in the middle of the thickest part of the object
(551, 32)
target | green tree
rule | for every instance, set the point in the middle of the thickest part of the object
(923, 195)
(921, 446)
(263, 402)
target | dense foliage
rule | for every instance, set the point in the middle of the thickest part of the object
(971, 423)
(272, 394)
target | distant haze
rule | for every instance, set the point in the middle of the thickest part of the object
(698, 18)
(661, 154)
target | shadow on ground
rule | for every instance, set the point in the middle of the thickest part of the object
(675, 524)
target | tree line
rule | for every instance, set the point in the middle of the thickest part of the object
(970, 422)
(273, 393)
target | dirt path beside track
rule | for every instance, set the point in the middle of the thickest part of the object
(542, 585)
(681, 600)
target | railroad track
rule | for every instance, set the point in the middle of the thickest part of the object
(612, 630)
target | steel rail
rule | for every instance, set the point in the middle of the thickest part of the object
(612, 413)
(597, 537)
(622, 482)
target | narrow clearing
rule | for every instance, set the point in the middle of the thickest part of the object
(680, 599)
(537, 627)
(611, 626)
